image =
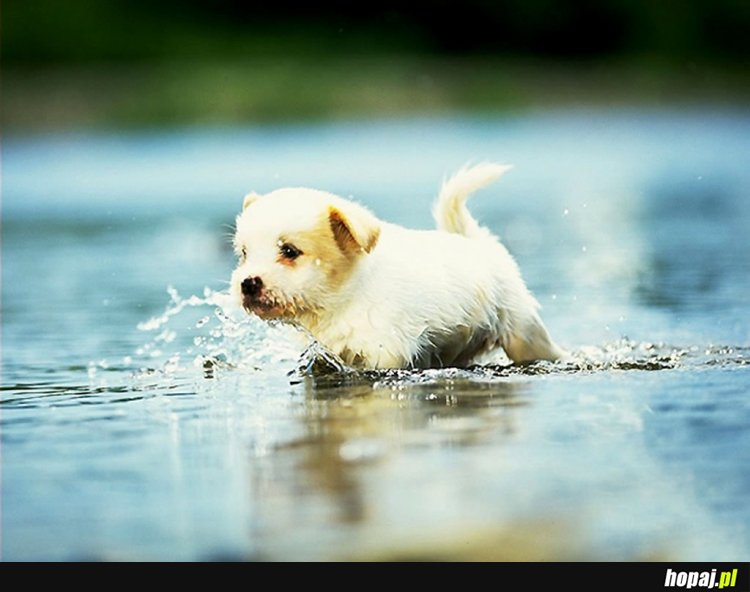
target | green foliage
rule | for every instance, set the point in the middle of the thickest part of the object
(44, 31)
(72, 63)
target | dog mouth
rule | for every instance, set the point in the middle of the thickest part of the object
(269, 304)
(264, 308)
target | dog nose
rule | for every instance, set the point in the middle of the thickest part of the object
(251, 286)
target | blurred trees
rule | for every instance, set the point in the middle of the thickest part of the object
(99, 63)
(49, 31)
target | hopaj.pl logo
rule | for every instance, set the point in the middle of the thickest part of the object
(700, 579)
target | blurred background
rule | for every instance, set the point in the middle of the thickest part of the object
(145, 417)
(135, 63)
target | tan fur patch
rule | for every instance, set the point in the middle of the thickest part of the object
(354, 228)
(321, 248)
(249, 198)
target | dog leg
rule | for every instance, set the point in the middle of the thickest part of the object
(531, 342)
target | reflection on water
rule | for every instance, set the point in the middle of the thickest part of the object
(139, 425)
(547, 461)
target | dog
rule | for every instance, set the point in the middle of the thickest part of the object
(383, 296)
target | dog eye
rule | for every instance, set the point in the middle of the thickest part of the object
(289, 251)
(243, 253)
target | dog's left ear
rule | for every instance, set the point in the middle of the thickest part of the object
(249, 198)
(354, 227)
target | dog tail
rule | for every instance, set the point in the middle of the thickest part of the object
(450, 211)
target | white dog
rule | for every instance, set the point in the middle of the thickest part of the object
(383, 296)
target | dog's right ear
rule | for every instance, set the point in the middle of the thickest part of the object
(354, 227)
(249, 198)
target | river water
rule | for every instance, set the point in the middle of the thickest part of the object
(144, 417)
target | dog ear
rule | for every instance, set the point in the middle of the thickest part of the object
(354, 227)
(249, 198)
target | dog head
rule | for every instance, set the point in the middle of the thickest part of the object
(296, 248)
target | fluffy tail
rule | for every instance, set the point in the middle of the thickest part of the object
(450, 211)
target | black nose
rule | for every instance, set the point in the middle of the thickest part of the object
(252, 286)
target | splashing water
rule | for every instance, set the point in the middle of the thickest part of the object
(199, 336)
(208, 334)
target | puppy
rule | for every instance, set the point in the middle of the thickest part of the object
(383, 296)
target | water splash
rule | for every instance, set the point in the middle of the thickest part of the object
(204, 336)
(200, 336)
(325, 370)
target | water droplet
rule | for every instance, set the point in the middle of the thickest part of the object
(566, 211)
(167, 336)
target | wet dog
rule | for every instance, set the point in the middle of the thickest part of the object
(383, 296)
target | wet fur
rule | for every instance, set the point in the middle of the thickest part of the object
(383, 296)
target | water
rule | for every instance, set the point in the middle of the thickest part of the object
(144, 417)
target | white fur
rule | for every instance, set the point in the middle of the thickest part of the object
(409, 298)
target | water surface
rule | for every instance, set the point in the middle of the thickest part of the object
(144, 417)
